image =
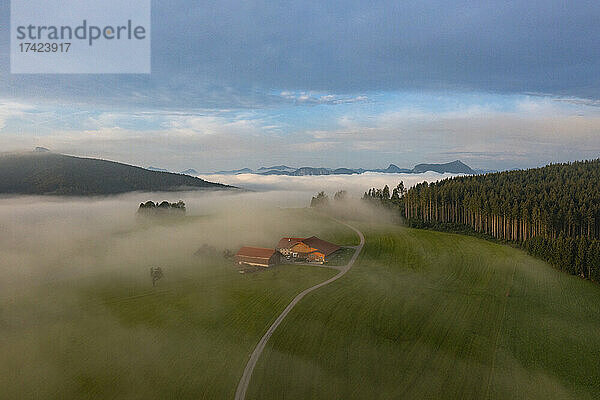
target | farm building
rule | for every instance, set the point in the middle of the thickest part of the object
(285, 246)
(311, 249)
(257, 256)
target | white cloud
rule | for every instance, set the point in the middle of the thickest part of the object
(539, 127)
(524, 132)
(317, 98)
(11, 109)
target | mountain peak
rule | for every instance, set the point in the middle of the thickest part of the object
(191, 172)
(276, 168)
(454, 167)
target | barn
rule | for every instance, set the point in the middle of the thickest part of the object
(290, 247)
(312, 248)
(257, 256)
(321, 249)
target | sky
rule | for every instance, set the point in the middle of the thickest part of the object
(496, 84)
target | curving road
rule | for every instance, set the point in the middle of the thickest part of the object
(240, 393)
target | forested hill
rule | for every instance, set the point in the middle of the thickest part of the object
(51, 173)
(558, 198)
(552, 211)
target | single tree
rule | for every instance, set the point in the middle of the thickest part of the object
(155, 273)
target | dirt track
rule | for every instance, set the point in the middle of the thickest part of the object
(240, 393)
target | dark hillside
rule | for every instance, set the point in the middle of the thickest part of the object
(51, 173)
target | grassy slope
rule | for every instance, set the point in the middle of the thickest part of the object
(426, 315)
(113, 336)
(188, 338)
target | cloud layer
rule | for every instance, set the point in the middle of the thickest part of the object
(497, 132)
(357, 84)
(355, 185)
(225, 53)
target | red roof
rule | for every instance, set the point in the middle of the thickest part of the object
(255, 252)
(323, 246)
(287, 242)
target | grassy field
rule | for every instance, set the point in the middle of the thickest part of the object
(422, 314)
(109, 334)
(341, 257)
(433, 315)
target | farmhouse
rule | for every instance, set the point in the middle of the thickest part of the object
(311, 249)
(257, 256)
(286, 244)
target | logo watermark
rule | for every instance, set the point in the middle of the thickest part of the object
(80, 36)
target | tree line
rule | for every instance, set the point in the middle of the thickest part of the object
(553, 212)
(322, 200)
(164, 207)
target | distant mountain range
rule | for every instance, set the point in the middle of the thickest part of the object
(151, 168)
(454, 167)
(190, 172)
(44, 172)
(276, 168)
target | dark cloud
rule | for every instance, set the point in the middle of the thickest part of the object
(234, 53)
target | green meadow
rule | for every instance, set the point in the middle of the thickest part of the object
(421, 314)
(432, 315)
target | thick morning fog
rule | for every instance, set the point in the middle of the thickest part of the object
(355, 185)
(53, 239)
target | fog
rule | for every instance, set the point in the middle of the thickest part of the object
(355, 185)
(59, 254)
(51, 238)
(63, 258)
(47, 238)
